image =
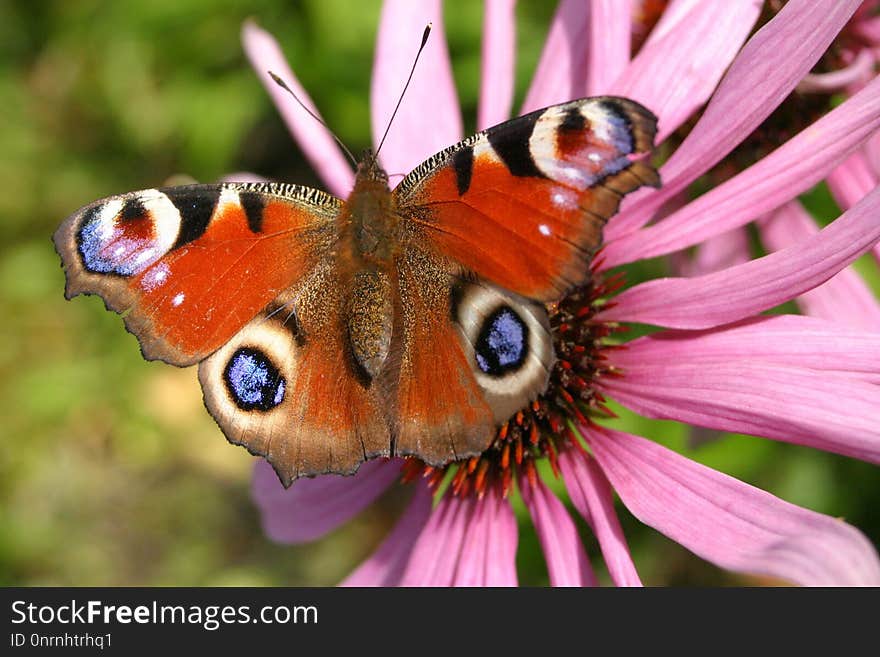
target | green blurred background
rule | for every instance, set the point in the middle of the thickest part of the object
(111, 471)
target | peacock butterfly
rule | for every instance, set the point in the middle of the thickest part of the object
(396, 322)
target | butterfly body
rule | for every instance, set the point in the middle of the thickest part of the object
(396, 322)
(370, 240)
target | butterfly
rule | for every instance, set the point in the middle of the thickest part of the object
(399, 322)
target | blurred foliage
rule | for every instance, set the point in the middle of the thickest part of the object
(110, 470)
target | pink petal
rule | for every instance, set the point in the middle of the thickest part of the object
(872, 152)
(769, 66)
(567, 562)
(868, 28)
(500, 568)
(488, 555)
(851, 180)
(715, 254)
(845, 298)
(733, 525)
(591, 495)
(311, 508)
(314, 139)
(783, 339)
(788, 171)
(498, 59)
(609, 44)
(586, 49)
(435, 554)
(675, 74)
(386, 565)
(474, 550)
(675, 13)
(563, 61)
(859, 71)
(858, 175)
(820, 409)
(429, 119)
(467, 542)
(747, 289)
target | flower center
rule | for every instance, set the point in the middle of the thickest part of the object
(537, 430)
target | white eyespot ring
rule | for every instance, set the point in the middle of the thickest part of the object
(507, 341)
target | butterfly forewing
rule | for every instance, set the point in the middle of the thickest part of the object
(523, 204)
(189, 266)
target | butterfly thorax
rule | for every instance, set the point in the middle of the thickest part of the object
(370, 214)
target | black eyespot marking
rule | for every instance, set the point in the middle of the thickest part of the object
(503, 343)
(252, 381)
(253, 205)
(196, 209)
(511, 142)
(611, 106)
(573, 121)
(133, 209)
(463, 163)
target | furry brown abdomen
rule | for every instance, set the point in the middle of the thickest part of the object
(370, 320)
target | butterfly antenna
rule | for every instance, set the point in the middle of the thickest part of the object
(406, 86)
(281, 83)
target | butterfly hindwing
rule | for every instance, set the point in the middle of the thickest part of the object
(189, 266)
(286, 388)
(472, 354)
(523, 204)
(441, 412)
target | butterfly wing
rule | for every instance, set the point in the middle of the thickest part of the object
(505, 219)
(523, 204)
(241, 278)
(471, 356)
(287, 388)
(442, 415)
(189, 266)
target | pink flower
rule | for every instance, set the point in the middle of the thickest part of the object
(853, 63)
(846, 297)
(718, 363)
(846, 68)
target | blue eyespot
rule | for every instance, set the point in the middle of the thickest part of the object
(125, 245)
(92, 245)
(502, 345)
(253, 382)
